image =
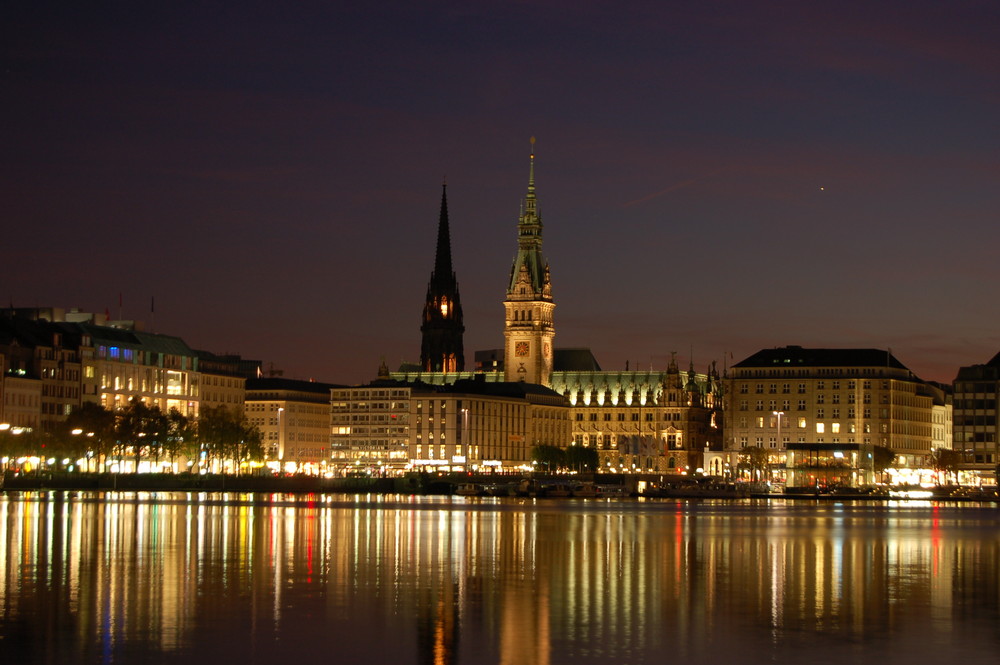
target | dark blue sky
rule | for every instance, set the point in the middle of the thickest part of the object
(713, 176)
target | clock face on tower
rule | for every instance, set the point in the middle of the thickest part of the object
(521, 348)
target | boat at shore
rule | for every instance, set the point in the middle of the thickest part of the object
(585, 491)
(470, 489)
(698, 490)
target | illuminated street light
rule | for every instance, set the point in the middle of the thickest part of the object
(778, 415)
(281, 434)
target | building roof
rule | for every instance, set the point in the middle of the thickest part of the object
(574, 360)
(154, 342)
(281, 383)
(987, 372)
(796, 356)
(479, 384)
(32, 333)
(516, 389)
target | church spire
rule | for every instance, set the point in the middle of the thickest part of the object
(441, 348)
(443, 272)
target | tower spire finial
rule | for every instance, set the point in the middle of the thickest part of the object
(531, 169)
(442, 257)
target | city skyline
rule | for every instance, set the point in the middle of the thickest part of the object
(713, 181)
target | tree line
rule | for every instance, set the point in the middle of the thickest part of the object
(219, 438)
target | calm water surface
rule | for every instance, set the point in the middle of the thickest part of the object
(218, 578)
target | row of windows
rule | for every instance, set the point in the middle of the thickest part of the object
(383, 393)
(316, 437)
(620, 417)
(296, 407)
(843, 372)
(62, 375)
(974, 404)
(801, 423)
(226, 382)
(772, 442)
(11, 398)
(974, 421)
(820, 385)
(147, 358)
(56, 409)
(802, 405)
(60, 391)
(978, 387)
(227, 398)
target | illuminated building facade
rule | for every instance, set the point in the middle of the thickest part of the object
(646, 421)
(20, 401)
(222, 381)
(293, 417)
(480, 425)
(463, 426)
(829, 407)
(369, 426)
(975, 419)
(442, 329)
(75, 358)
(159, 370)
(41, 369)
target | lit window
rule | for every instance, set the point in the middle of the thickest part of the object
(820, 428)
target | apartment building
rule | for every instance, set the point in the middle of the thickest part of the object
(818, 412)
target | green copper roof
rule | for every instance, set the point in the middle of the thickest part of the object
(529, 257)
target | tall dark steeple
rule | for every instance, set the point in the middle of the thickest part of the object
(442, 329)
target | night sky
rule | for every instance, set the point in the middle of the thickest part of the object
(714, 177)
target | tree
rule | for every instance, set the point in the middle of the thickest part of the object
(224, 434)
(581, 458)
(552, 457)
(882, 459)
(946, 461)
(94, 428)
(755, 461)
(181, 437)
(141, 429)
(16, 442)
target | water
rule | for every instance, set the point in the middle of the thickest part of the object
(218, 578)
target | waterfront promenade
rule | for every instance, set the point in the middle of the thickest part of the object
(420, 484)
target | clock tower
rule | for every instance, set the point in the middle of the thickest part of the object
(529, 330)
(442, 328)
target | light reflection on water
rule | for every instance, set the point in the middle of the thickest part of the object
(208, 578)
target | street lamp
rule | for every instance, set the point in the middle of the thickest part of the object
(464, 438)
(778, 415)
(281, 436)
